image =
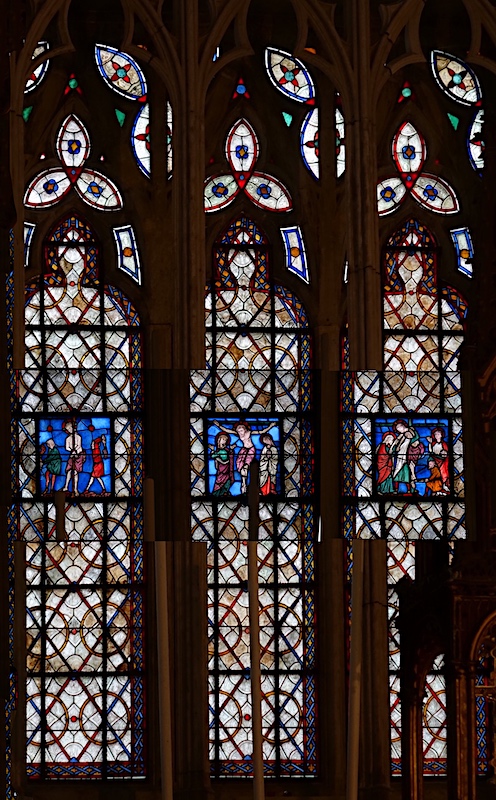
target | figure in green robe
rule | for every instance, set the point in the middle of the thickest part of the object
(52, 463)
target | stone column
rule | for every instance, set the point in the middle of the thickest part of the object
(187, 347)
(462, 742)
(411, 729)
(375, 756)
(190, 688)
(176, 345)
(332, 614)
(332, 609)
(168, 464)
(189, 174)
(364, 288)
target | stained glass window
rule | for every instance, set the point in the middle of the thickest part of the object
(124, 76)
(340, 136)
(296, 257)
(169, 134)
(400, 563)
(241, 90)
(73, 148)
(464, 248)
(40, 71)
(77, 408)
(289, 75)
(128, 259)
(434, 722)
(10, 702)
(121, 72)
(309, 142)
(406, 93)
(242, 151)
(140, 139)
(409, 151)
(475, 141)
(455, 78)
(29, 229)
(254, 400)
(484, 706)
(402, 428)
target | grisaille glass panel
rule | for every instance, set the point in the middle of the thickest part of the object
(403, 473)
(255, 401)
(77, 408)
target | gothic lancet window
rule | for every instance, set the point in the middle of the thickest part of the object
(434, 722)
(254, 400)
(484, 698)
(402, 436)
(77, 428)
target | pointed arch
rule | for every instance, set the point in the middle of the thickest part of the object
(403, 438)
(254, 400)
(77, 410)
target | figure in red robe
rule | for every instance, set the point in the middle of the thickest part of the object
(438, 449)
(99, 452)
(385, 464)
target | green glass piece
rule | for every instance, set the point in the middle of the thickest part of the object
(455, 121)
(121, 117)
(288, 118)
(406, 92)
(73, 83)
(27, 113)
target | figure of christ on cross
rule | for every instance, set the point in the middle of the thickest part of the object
(247, 452)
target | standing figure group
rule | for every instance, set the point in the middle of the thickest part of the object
(398, 456)
(225, 459)
(73, 445)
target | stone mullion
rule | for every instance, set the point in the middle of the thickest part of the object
(364, 289)
(186, 345)
(189, 172)
(462, 735)
(375, 758)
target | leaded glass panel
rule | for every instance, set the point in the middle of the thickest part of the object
(254, 400)
(78, 428)
(403, 477)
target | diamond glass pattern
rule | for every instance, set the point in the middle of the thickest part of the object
(434, 722)
(255, 401)
(403, 473)
(78, 410)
